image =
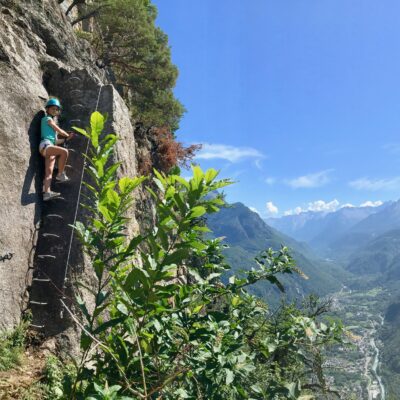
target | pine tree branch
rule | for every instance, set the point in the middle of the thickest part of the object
(74, 3)
(87, 16)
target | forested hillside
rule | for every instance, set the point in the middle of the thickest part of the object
(391, 339)
(247, 234)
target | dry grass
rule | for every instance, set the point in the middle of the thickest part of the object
(22, 382)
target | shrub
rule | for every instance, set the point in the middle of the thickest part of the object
(170, 152)
(12, 345)
(164, 325)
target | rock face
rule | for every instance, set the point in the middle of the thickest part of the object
(41, 56)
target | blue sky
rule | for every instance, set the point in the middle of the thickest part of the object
(299, 102)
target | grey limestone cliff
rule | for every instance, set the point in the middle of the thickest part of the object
(41, 56)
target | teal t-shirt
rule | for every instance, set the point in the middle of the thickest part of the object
(47, 132)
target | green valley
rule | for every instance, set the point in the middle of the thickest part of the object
(363, 288)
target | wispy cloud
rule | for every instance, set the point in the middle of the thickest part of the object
(376, 184)
(270, 181)
(294, 211)
(254, 210)
(272, 209)
(226, 152)
(257, 163)
(314, 180)
(393, 148)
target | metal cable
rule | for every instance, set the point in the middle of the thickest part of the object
(79, 193)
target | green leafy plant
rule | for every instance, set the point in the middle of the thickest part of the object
(54, 375)
(12, 345)
(161, 323)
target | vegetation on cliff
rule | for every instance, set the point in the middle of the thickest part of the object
(126, 39)
(137, 55)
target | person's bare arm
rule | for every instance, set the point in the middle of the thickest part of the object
(60, 131)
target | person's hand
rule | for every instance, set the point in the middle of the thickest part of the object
(70, 135)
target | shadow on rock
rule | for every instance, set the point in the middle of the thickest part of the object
(35, 169)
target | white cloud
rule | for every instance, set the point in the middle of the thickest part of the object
(317, 206)
(270, 181)
(370, 203)
(233, 154)
(311, 180)
(376, 184)
(347, 205)
(272, 209)
(321, 205)
(331, 206)
(295, 211)
(254, 210)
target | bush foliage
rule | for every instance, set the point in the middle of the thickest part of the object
(163, 324)
(12, 345)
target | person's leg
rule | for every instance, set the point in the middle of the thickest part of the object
(48, 171)
(58, 152)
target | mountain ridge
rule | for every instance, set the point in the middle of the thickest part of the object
(237, 222)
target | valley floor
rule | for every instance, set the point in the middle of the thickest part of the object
(354, 369)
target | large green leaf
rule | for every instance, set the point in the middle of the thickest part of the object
(97, 126)
(81, 131)
(197, 211)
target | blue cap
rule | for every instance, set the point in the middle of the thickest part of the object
(53, 102)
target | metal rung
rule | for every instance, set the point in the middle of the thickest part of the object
(55, 198)
(38, 303)
(43, 256)
(74, 77)
(74, 120)
(77, 106)
(73, 150)
(68, 166)
(75, 90)
(36, 326)
(41, 280)
(50, 235)
(54, 216)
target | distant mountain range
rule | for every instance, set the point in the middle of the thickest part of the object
(322, 229)
(365, 239)
(247, 234)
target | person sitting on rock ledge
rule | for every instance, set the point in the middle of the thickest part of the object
(49, 150)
